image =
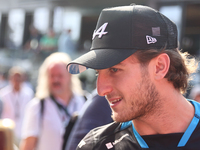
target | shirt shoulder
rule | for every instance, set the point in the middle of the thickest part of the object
(96, 134)
(76, 103)
(27, 90)
(5, 91)
(193, 142)
(33, 104)
(79, 98)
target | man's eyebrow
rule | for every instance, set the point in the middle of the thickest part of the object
(120, 64)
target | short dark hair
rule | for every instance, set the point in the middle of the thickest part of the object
(181, 65)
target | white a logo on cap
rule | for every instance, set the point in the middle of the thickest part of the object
(101, 31)
(150, 39)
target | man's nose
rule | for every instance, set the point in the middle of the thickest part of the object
(55, 78)
(104, 84)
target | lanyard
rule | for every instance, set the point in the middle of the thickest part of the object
(60, 106)
(183, 141)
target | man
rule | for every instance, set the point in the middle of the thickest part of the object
(58, 96)
(142, 74)
(65, 43)
(15, 97)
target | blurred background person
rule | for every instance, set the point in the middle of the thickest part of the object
(65, 42)
(3, 80)
(96, 112)
(49, 41)
(61, 94)
(15, 97)
(7, 135)
(33, 42)
(195, 93)
(1, 108)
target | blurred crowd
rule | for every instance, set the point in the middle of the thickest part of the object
(45, 112)
(50, 42)
(58, 112)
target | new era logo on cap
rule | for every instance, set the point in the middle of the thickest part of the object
(150, 39)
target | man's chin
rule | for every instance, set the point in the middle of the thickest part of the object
(56, 92)
(118, 118)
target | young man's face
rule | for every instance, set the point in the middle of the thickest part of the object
(128, 88)
(59, 79)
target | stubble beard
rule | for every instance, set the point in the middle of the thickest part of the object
(144, 104)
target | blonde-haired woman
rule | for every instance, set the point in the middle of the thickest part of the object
(61, 94)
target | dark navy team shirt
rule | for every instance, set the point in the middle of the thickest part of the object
(123, 136)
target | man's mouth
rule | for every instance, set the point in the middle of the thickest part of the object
(115, 102)
(56, 84)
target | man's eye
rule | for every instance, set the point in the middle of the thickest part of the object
(114, 69)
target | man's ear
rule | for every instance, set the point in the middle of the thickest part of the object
(162, 63)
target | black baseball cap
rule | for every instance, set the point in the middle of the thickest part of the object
(123, 30)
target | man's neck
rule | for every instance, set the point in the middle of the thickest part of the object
(16, 89)
(173, 117)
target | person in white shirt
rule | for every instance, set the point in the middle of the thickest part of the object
(62, 96)
(65, 43)
(15, 97)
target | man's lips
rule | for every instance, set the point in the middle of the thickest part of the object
(56, 84)
(113, 102)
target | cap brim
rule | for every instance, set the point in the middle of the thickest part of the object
(98, 59)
